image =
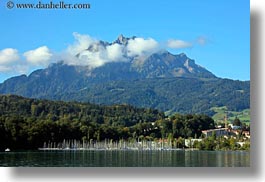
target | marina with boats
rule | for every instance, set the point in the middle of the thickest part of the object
(109, 145)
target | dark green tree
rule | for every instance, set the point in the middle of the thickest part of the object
(237, 122)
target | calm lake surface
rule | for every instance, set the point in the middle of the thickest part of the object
(174, 158)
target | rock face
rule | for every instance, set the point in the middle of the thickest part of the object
(165, 64)
(161, 80)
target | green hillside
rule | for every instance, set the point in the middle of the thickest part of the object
(221, 112)
(28, 123)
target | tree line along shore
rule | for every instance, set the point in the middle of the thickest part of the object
(31, 123)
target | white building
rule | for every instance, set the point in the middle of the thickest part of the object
(233, 127)
(218, 132)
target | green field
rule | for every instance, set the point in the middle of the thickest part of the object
(244, 115)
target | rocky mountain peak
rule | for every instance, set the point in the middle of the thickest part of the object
(123, 40)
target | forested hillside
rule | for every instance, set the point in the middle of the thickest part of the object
(28, 123)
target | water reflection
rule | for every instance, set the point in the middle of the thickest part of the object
(126, 158)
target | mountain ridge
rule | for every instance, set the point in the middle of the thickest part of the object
(161, 81)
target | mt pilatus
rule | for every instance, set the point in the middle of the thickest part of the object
(159, 80)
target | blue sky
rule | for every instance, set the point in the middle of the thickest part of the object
(216, 33)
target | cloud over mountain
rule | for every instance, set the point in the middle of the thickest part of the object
(8, 56)
(115, 52)
(88, 51)
(94, 53)
(81, 43)
(38, 57)
(141, 46)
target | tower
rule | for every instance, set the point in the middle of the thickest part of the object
(225, 119)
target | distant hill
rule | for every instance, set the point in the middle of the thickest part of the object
(28, 123)
(170, 83)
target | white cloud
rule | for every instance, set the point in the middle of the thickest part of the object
(81, 43)
(91, 59)
(178, 44)
(115, 52)
(39, 56)
(97, 55)
(17, 67)
(8, 56)
(100, 54)
(140, 46)
(9, 60)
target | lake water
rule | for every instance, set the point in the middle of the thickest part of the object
(174, 158)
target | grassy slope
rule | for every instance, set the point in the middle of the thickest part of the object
(244, 115)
